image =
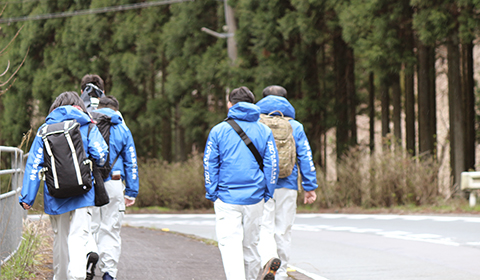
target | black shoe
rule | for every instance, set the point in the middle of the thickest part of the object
(107, 276)
(270, 269)
(92, 259)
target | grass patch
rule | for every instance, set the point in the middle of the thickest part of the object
(34, 257)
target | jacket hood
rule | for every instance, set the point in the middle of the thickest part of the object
(86, 100)
(115, 118)
(244, 111)
(64, 113)
(272, 102)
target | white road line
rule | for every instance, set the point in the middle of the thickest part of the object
(390, 217)
(309, 274)
(404, 235)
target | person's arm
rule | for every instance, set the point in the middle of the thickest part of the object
(97, 147)
(305, 164)
(31, 178)
(130, 167)
(270, 166)
(211, 166)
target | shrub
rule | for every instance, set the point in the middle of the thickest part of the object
(384, 179)
(178, 186)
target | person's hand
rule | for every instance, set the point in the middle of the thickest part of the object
(26, 206)
(310, 197)
(129, 202)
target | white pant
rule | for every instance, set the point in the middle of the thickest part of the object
(276, 228)
(238, 232)
(106, 225)
(71, 231)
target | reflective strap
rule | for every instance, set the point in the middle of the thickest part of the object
(52, 160)
(89, 162)
(75, 158)
(41, 173)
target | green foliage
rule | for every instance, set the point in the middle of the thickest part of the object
(169, 75)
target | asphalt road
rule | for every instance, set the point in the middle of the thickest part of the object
(358, 247)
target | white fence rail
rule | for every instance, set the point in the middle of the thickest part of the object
(11, 213)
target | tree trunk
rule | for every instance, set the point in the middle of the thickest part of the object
(432, 100)
(351, 96)
(409, 74)
(469, 101)
(457, 128)
(166, 123)
(153, 129)
(397, 108)
(371, 110)
(385, 99)
(311, 85)
(410, 109)
(424, 114)
(323, 110)
(341, 96)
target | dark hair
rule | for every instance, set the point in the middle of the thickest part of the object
(92, 79)
(68, 98)
(275, 90)
(109, 101)
(241, 94)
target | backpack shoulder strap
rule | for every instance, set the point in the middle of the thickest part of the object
(247, 141)
(90, 126)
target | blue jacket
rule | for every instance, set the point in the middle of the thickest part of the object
(304, 153)
(121, 141)
(231, 172)
(94, 146)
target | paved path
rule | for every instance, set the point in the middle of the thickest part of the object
(149, 254)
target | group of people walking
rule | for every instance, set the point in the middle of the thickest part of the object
(251, 175)
(84, 234)
(254, 190)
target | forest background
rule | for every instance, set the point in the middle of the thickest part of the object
(347, 65)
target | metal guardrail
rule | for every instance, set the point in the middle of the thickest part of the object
(11, 213)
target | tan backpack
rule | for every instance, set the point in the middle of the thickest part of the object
(283, 134)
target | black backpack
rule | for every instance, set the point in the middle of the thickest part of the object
(67, 170)
(104, 123)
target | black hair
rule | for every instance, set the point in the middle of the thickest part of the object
(92, 79)
(109, 101)
(241, 94)
(275, 90)
(68, 98)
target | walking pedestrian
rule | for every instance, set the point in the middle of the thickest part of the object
(122, 167)
(238, 180)
(279, 212)
(70, 216)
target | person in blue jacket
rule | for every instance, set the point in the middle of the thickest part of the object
(279, 212)
(107, 219)
(237, 185)
(91, 89)
(70, 217)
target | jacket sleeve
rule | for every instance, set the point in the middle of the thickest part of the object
(305, 160)
(211, 166)
(31, 178)
(97, 147)
(270, 166)
(130, 165)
